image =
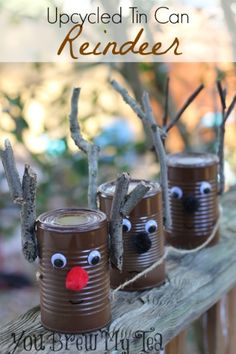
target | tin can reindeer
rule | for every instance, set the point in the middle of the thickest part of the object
(144, 225)
(193, 193)
(74, 255)
(195, 181)
(142, 236)
(72, 246)
(192, 179)
(74, 270)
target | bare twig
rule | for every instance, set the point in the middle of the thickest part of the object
(134, 197)
(222, 94)
(11, 172)
(74, 124)
(230, 109)
(133, 104)
(225, 114)
(122, 185)
(93, 152)
(166, 107)
(88, 148)
(160, 151)
(185, 106)
(24, 195)
(122, 204)
(221, 139)
(128, 99)
(28, 214)
(157, 136)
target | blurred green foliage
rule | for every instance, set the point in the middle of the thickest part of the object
(63, 172)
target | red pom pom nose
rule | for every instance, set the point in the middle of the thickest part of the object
(76, 279)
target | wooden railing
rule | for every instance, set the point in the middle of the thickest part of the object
(201, 285)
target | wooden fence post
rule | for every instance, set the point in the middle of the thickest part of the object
(219, 326)
(177, 345)
(232, 321)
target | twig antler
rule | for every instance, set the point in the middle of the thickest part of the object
(91, 150)
(134, 105)
(11, 173)
(225, 115)
(160, 152)
(122, 185)
(23, 194)
(178, 115)
(128, 99)
(166, 106)
(157, 135)
(28, 214)
(122, 204)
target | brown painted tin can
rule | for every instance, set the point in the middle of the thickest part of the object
(138, 225)
(74, 270)
(193, 193)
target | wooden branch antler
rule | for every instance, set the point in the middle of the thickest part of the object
(28, 214)
(12, 175)
(91, 150)
(134, 105)
(160, 151)
(187, 103)
(158, 136)
(122, 185)
(122, 204)
(23, 194)
(128, 99)
(166, 106)
(133, 198)
(225, 115)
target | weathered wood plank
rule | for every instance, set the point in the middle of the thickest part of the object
(195, 283)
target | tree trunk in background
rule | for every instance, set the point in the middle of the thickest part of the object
(230, 22)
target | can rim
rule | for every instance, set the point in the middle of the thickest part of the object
(155, 187)
(97, 219)
(201, 160)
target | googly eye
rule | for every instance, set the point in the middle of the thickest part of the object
(94, 257)
(126, 225)
(151, 226)
(58, 260)
(176, 192)
(205, 188)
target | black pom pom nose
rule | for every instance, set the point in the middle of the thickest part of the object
(142, 242)
(191, 204)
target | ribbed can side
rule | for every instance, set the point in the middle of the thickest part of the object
(190, 230)
(66, 310)
(149, 208)
(134, 262)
